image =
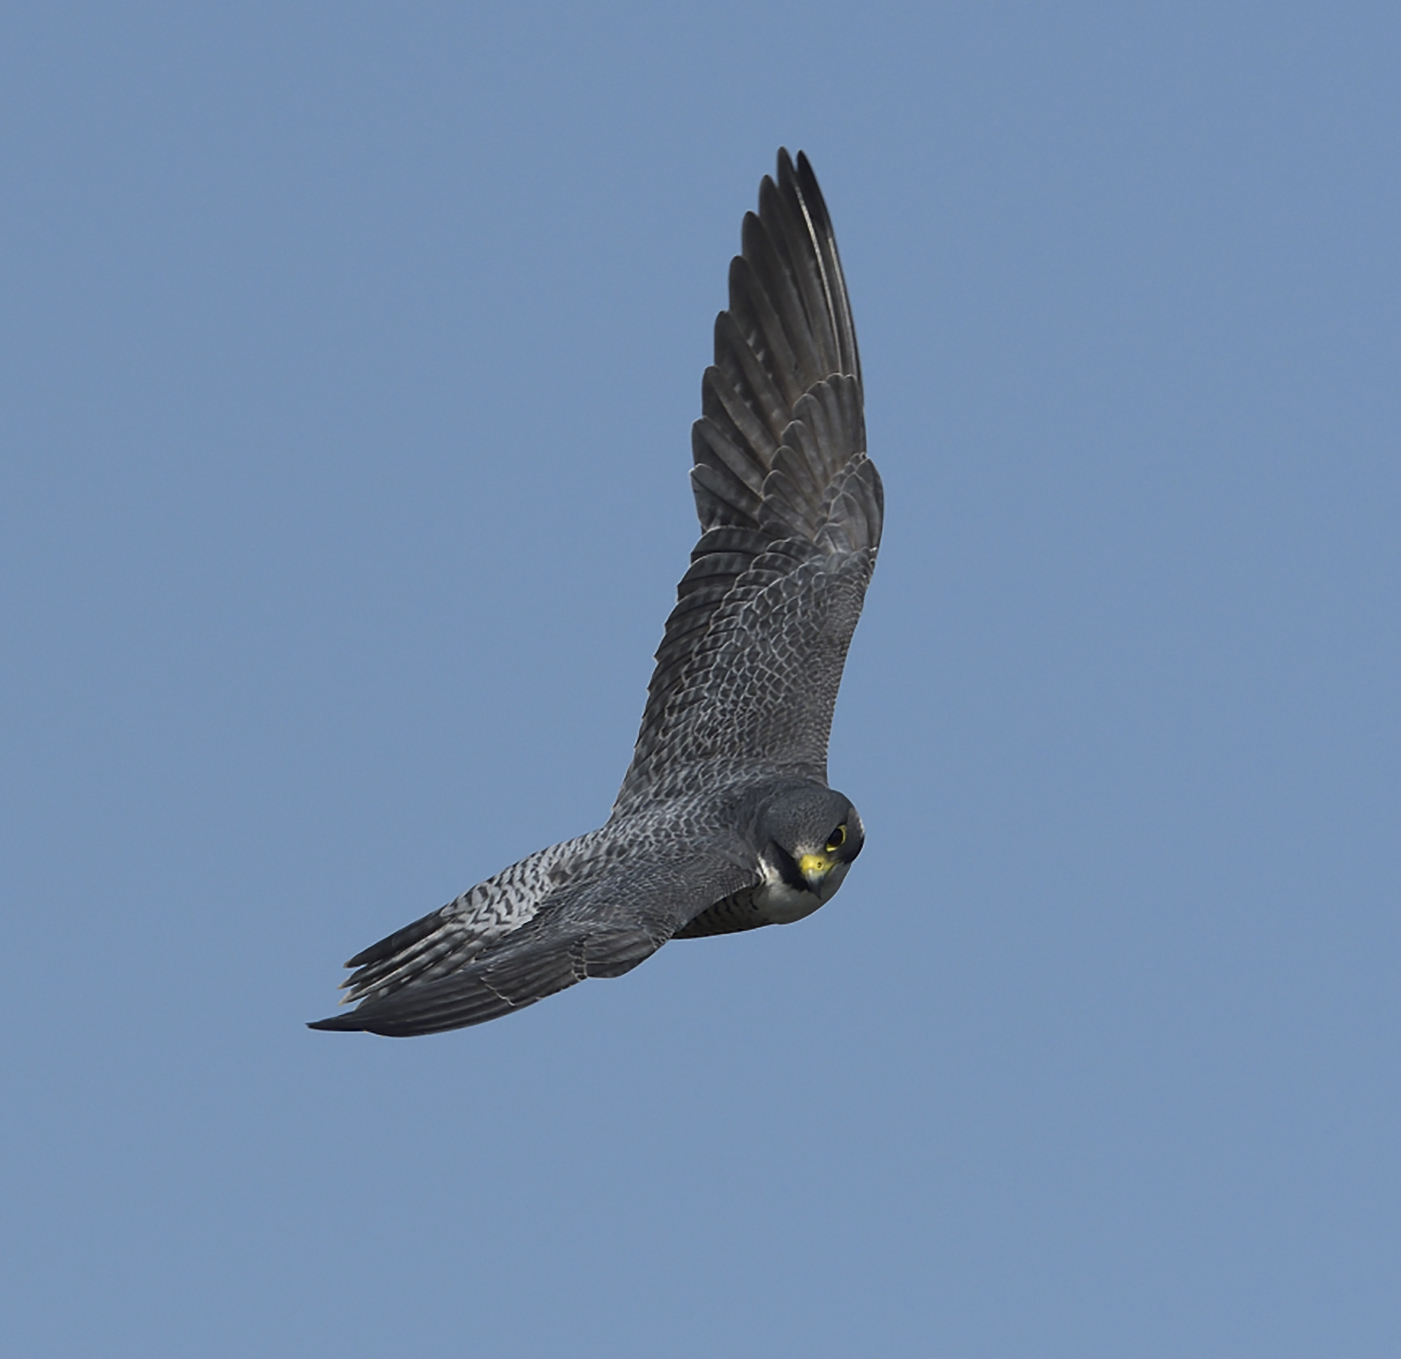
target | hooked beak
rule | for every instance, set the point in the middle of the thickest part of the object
(814, 868)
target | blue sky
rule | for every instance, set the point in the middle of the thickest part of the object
(349, 357)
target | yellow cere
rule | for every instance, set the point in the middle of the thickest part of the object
(814, 865)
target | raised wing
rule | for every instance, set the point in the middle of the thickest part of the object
(790, 510)
(601, 925)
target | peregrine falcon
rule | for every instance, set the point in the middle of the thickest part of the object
(724, 821)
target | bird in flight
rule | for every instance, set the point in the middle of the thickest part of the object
(724, 821)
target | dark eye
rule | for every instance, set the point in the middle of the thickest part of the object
(836, 840)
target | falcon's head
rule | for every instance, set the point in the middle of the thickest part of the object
(808, 836)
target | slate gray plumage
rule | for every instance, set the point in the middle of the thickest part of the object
(724, 821)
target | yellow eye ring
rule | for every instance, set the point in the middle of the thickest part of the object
(837, 840)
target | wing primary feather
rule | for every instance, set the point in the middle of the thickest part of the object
(723, 490)
(800, 257)
(772, 274)
(763, 327)
(722, 393)
(750, 385)
(710, 443)
(826, 238)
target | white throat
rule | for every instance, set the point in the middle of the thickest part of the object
(781, 904)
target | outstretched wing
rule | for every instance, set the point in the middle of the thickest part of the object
(429, 977)
(790, 510)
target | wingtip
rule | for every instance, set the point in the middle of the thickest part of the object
(337, 1024)
(795, 168)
